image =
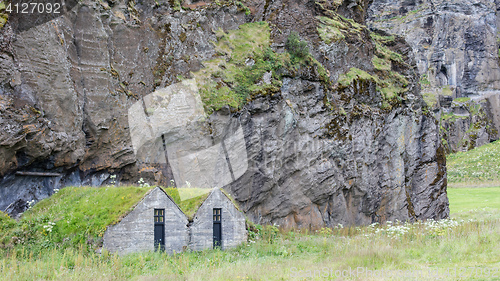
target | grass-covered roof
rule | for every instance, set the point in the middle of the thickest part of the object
(81, 215)
(188, 199)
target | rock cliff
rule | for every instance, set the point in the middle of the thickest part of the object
(456, 47)
(306, 116)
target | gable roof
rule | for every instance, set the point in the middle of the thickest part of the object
(223, 192)
(169, 197)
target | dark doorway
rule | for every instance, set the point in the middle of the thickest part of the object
(217, 213)
(159, 218)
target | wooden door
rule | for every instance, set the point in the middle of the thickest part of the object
(159, 229)
(217, 234)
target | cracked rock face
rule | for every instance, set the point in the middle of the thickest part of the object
(376, 167)
(317, 153)
(455, 42)
(457, 53)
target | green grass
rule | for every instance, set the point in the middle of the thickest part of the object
(424, 246)
(188, 199)
(475, 203)
(79, 216)
(479, 166)
(430, 246)
(466, 199)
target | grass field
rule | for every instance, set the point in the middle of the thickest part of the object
(473, 199)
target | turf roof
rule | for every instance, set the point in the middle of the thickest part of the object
(81, 215)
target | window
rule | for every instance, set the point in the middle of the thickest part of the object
(159, 215)
(217, 215)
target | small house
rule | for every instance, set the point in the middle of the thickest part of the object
(156, 222)
(217, 223)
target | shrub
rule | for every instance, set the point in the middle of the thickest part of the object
(296, 47)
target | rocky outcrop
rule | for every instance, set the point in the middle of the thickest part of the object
(457, 53)
(455, 42)
(468, 123)
(338, 136)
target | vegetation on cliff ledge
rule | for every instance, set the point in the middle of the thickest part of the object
(4, 15)
(337, 28)
(389, 82)
(246, 66)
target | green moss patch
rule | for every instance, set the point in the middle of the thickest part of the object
(355, 74)
(461, 100)
(430, 99)
(381, 64)
(446, 91)
(244, 57)
(383, 51)
(337, 28)
(4, 15)
(390, 83)
(424, 80)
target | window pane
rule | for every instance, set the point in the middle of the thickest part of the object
(161, 219)
(156, 212)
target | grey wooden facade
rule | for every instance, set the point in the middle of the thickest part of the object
(135, 232)
(232, 223)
